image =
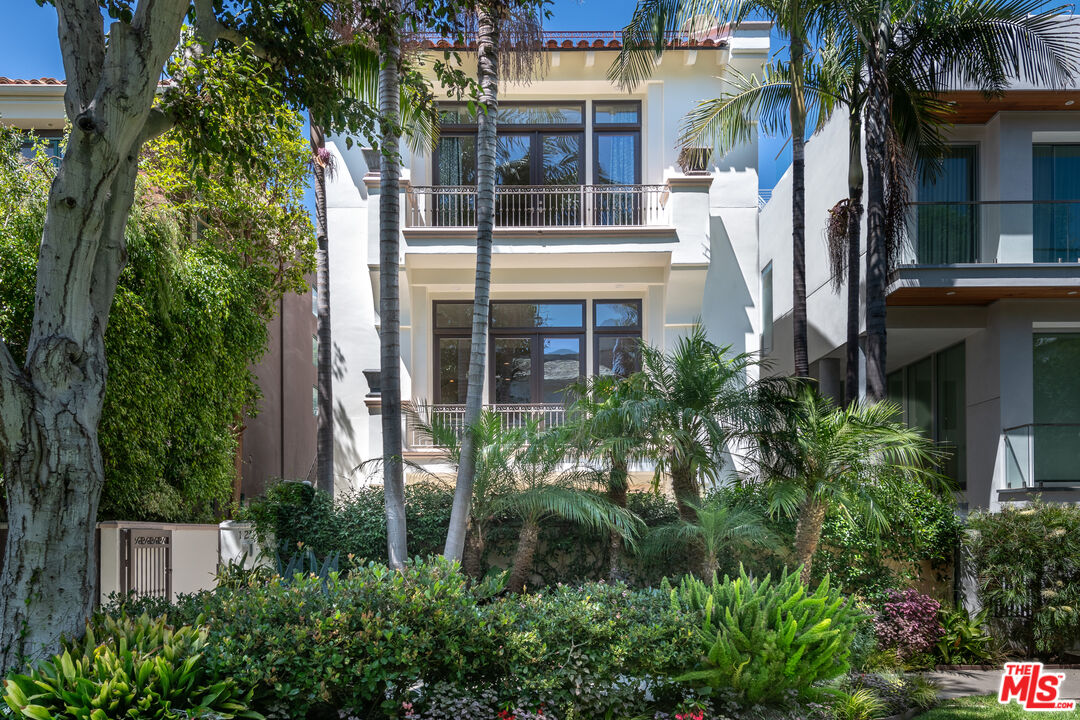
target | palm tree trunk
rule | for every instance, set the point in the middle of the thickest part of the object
(797, 108)
(488, 76)
(324, 452)
(523, 557)
(473, 561)
(617, 487)
(855, 191)
(389, 298)
(685, 487)
(808, 535)
(877, 119)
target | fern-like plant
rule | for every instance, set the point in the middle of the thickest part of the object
(766, 640)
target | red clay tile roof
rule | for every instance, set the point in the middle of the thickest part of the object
(590, 40)
(30, 81)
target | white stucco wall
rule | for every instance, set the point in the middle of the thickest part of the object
(703, 266)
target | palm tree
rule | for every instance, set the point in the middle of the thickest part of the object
(727, 120)
(603, 424)
(943, 45)
(840, 458)
(322, 164)
(389, 297)
(720, 528)
(699, 405)
(518, 23)
(522, 472)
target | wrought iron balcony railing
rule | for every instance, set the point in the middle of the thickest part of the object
(539, 206)
(512, 416)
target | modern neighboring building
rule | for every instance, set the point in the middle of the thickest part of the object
(601, 240)
(983, 309)
(279, 442)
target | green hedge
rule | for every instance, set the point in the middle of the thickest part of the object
(424, 643)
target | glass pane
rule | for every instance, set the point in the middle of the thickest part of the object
(894, 387)
(456, 115)
(457, 161)
(453, 315)
(511, 114)
(511, 315)
(620, 113)
(618, 314)
(920, 396)
(512, 161)
(1057, 407)
(616, 158)
(562, 159)
(453, 370)
(562, 366)
(1056, 177)
(513, 370)
(947, 229)
(618, 355)
(950, 410)
(766, 308)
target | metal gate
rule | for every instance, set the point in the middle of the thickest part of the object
(147, 562)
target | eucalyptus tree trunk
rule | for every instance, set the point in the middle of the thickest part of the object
(808, 535)
(324, 439)
(50, 407)
(487, 70)
(877, 261)
(617, 487)
(389, 295)
(797, 109)
(854, 218)
(521, 568)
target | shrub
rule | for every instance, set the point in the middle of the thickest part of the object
(908, 622)
(133, 668)
(1027, 565)
(963, 638)
(897, 692)
(576, 650)
(355, 643)
(769, 640)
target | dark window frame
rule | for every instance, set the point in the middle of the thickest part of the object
(599, 130)
(599, 331)
(537, 335)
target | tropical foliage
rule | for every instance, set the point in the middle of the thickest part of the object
(1026, 564)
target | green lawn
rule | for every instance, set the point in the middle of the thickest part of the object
(988, 708)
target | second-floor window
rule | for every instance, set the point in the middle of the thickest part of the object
(948, 218)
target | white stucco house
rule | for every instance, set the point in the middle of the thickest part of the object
(600, 240)
(983, 310)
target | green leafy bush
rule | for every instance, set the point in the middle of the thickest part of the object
(1027, 566)
(128, 668)
(311, 647)
(592, 649)
(964, 639)
(768, 640)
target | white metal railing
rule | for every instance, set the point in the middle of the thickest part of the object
(512, 416)
(532, 206)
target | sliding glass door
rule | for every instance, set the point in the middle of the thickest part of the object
(1056, 191)
(947, 217)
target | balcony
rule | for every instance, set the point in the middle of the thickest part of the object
(1042, 456)
(539, 206)
(512, 416)
(973, 253)
(1002, 231)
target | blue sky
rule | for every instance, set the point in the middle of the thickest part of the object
(29, 48)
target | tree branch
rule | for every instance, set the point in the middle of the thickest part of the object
(158, 123)
(84, 51)
(209, 30)
(13, 399)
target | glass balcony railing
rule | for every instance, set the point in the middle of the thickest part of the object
(1005, 231)
(1042, 455)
